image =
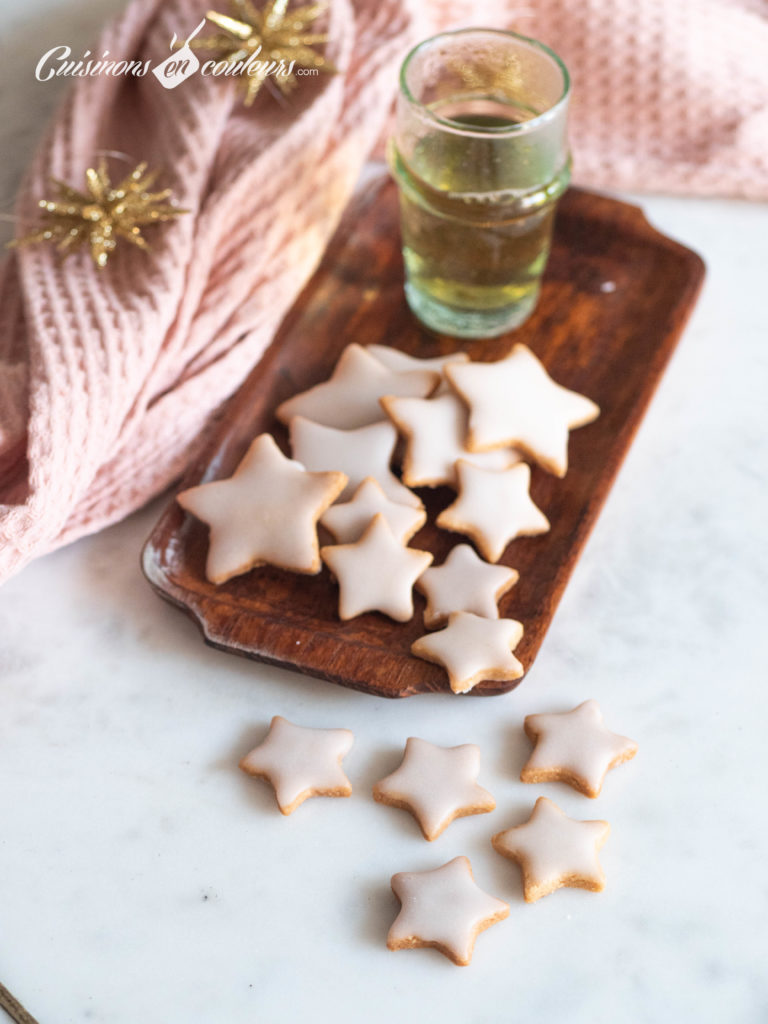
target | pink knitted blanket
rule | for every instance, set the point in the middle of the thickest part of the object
(107, 378)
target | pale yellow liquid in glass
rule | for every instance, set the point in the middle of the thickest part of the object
(471, 250)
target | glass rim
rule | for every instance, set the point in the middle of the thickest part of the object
(497, 132)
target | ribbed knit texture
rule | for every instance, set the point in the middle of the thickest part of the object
(107, 377)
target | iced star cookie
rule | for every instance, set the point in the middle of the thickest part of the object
(515, 401)
(300, 762)
(493, 507)
(359, 453)
(444, 909)
(435, 430)
(554, 850)
(436, 784)
(376, 573)
(574, 747)
(401, 362)
(472, 649)
(266, 513)
(463, 583)
(350, 398)
(349, 520)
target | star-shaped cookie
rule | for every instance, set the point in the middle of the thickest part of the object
(436, 784)
(349, 520)
(266, 513)
(435, 430)
(463, 583)
(376, 573)
(359, 453)
(493, 507)
(401, 362)
(350, 398)
(472, 649)
(515, 401)
(300, 762)
(444, 909)
(574, 747)
(554, 850)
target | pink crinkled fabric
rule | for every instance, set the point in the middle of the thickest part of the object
(107, 378)
(668, 95)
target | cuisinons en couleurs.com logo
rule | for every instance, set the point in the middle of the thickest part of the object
(181, 63)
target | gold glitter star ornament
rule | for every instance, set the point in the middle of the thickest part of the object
(103, 215)
(272, 41)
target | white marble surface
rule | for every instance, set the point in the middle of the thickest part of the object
(143, 878)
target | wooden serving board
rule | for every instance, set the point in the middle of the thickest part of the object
(614, 301)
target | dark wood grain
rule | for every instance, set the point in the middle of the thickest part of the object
(612, 345)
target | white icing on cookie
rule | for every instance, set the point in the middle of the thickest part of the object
(436, 784)
(348, 521)
(463, 583)
(554, 850)
(435, 430)
(300, 762)
(401, 362)
(515, 401)
(493, 507)
(574, 747)
(444, 909)
(350, 398)
(376, 573)
(265, 513)
(359, 453)
(472, 649)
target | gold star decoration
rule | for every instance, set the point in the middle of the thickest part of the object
(102, 215)
(271, 41)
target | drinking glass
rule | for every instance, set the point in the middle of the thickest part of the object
(481, 157)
